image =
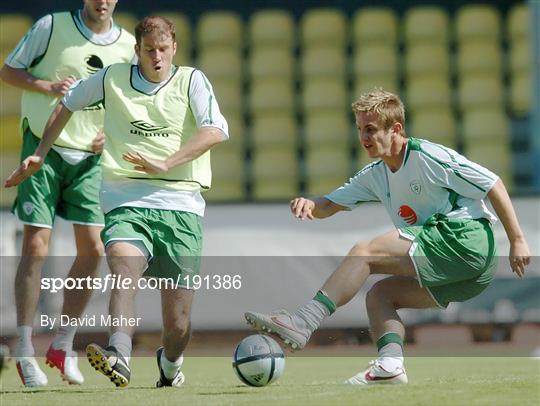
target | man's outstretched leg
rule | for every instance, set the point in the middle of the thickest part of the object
(382, 302)
(176, 313)
(89, 253)
(127, 261)
(386, 254)
(27, 281)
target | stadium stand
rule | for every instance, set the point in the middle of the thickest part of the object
(271, 28)
(279, 71)
(126, 20)
(426, 25)
(222, 29)
(12, 29)
(372, 25)
(323, 27)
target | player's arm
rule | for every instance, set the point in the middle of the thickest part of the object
(57, 121)
(20, 78)
(520, 255)
(31, 47)
(87, 92)
(319, 207)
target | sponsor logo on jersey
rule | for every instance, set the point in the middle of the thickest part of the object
(407, 214)
(148, 130)
(416, 187)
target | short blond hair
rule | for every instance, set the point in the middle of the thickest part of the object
(387, 105)
(154, 24)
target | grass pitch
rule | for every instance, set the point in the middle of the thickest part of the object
(307, 380)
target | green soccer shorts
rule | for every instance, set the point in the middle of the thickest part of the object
(59, 188)
(172, 238)
(455, 259)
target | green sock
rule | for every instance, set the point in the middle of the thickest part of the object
(389, 338)
(326, 301)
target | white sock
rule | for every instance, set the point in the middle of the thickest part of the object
(122, 342)
(170, 368)
(24, 346)
(64, 338)
(391, 357)
(313, 313)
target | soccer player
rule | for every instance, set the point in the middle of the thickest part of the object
(442, 251)
(59, 49)
(160, 122)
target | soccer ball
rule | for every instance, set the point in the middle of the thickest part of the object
(258, 360)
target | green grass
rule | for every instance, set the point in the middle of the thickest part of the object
(307, 380)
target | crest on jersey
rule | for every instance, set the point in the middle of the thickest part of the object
(28, 208)
(416, 187)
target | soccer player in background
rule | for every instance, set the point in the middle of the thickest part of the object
(160, 122)
(59, 49)
(442, 251)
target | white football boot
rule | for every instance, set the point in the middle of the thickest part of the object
(66, 362)
(290, 328)
(31, 374)
(178, 379)
(377, 375)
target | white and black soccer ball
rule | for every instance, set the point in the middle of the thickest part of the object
(258, 360)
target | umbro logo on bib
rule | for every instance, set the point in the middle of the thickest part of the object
(148, 130)
(416, 187)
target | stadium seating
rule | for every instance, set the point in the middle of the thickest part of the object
(427, 25)
(324, 165)
(520, 57)
(486, 124)
(374, 25)
(273, 95)
(218, 63)
(323, 94)
(126, 20)
(222, 29)
(478, 22)
(275, 174)
(480, 91)
(366, 83)
(428, 92)
(10, 134)
(12, 28)
(10, 99)
(327, 128)
(323, 61)
(274, 130)
(229, 95)
(426, 59)
(479, 58)
(271, 28)
(521, 94)
(227, 174)
(518, 22)
(375, 60)
(323, 27)
(271, 63)
(435, 125)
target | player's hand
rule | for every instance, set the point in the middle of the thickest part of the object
(98, 142)
(29, 166)
(61, 87)
(302, 208)
(148, 165)
(520, 256)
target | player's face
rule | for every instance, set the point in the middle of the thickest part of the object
(99, 10)
(374, 138)
(155, 54)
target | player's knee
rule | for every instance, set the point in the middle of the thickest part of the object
(360, 249)
(377, 293)
(35, 246)
(95, 249)
(178, 328)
